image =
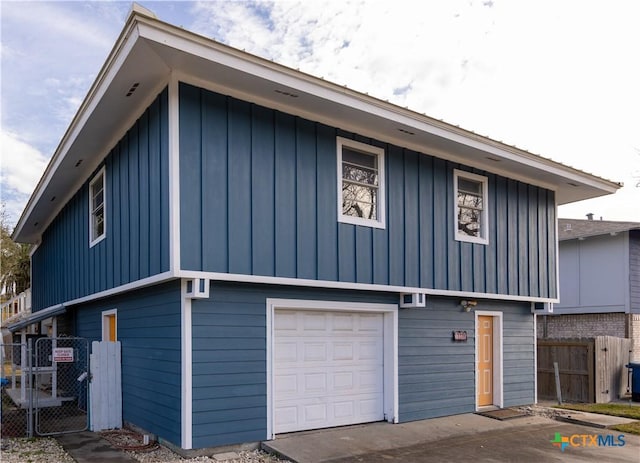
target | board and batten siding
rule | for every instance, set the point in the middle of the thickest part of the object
(436, 375)
(148, 328)
(258, 191)
(136, 245)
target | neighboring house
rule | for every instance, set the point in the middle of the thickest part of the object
(15, 307)
(599, 282)
(12, 311)
(278, 253)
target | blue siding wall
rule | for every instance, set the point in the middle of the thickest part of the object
(148, 327)
(518, 354)
(258, 196)
(436, 375)
(229, 358)
(137, 216)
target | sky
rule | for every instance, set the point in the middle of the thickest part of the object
(559, 78)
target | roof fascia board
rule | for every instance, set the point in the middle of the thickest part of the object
(202, 47)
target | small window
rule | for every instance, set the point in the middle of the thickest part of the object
(361, 184)
(110, 325)
(471, 207)
(97, 222)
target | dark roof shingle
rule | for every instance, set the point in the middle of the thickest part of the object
(575, 228)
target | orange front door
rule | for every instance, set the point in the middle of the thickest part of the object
(112, 328)
(485, 360)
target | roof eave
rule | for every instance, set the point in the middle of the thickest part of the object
(428, 135)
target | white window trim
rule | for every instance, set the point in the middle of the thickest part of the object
(101, 174)
(105, 326)
(484, 229)
(381, 206)
(390, 346)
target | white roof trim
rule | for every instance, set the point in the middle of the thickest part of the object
(172, 49)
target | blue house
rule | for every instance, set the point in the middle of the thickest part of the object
(278, 253)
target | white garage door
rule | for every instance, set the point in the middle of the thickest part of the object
(328, 369)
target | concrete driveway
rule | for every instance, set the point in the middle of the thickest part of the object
(460, 438)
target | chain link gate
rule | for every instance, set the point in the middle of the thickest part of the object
(14, 414)
(44, 387)
(61, 385)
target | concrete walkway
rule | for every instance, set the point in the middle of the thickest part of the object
(444, 439)
(90, 447)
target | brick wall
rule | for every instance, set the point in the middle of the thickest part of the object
(590, 325)
(634, 335)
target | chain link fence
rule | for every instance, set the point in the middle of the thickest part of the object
(45, 387)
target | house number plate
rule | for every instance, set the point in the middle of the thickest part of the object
(460, 336)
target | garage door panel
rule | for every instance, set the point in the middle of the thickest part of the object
(313, 322)
(342, 351)
(369, 350)
(370, 323)
(286, 321)
(286, 351)
(343, 322)
(314, 352)
(315, 383)
(287, 418)
(329, 369)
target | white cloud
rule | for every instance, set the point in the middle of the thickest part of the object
(557, 78)
(61, 19)
(21, 167)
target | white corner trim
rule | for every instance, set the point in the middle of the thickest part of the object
(390, 365)
(535, 358)
(270, 313)
(557, 249)
(186, 368)
(174, 173)
(498, 356)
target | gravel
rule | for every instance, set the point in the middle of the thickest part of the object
(547, 412)
(48, 450)
(33, 450)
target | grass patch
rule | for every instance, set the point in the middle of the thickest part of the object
(629, 428)
(625, 411)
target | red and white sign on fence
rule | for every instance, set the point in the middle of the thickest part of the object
(63, 354)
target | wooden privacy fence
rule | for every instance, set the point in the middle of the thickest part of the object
(591, 370)
(106, 385)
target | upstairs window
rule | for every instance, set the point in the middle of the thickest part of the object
(97, 216)
(361, 184)
(471, 207)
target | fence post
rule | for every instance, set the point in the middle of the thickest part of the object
(29, 366)
(558, 390)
